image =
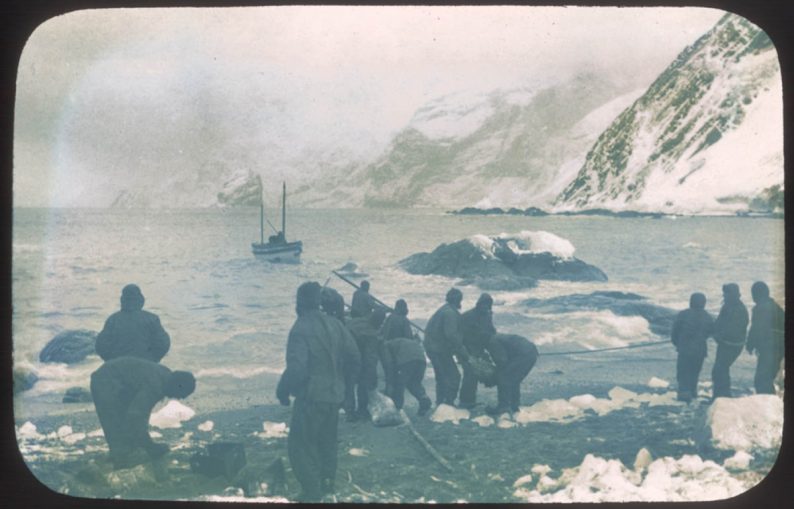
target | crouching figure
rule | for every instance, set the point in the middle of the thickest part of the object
(514, 357)
(125, 390)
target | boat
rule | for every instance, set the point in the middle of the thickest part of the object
(276, 249)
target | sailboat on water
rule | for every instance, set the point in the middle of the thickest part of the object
(276, 249)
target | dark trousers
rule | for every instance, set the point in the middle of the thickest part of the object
(508, 382)
(124, 431)
(357, 389)
(447, 377)
(409, 376)
(766, 370)
(720, 373)
(687, 373)
(312, 446)
(468, 387)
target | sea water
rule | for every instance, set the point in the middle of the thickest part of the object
(229, 313)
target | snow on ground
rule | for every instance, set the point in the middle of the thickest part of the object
(658, 383)
(747, 422)
(448, 413)
(206, 426)
(171, 415)
(273, 430)
(739, 461)
(562, 410)
(688, 478)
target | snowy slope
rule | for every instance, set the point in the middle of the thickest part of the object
(706, 137)
(507, 147)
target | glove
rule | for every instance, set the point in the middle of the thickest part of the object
(282, 393)
(284, 400)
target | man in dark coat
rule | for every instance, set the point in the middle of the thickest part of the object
(443, 340)
(365, 332)
(125, 390)
(730, 332)
(319, 351)
(404, 365)
(691, 328)
(478, 329)
(766, 338)
(132, 331)
(397, 324)
(362, 303)
(514, 356)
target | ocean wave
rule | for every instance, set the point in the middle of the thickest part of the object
(238, 372)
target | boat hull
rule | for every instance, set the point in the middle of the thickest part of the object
(288, 252)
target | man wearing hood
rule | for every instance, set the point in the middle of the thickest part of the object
(730, 332)
(478, 329)
(124, 391)
(443, 340)
(766, 338)
(319, 352)
(361, 304)
(132, 332)
(397, 324)
(691, 328)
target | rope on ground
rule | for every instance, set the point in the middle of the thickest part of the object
(429, 448)
(638, 345)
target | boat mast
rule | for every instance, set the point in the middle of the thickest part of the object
(284, 210)
(261, 217)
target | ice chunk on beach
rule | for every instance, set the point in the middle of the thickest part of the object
(658, 383)
(524, 479)
(97, 433)
(206, 426)
(739, 461)
(688, 478)
(274, 429)
(171, 415)
(549, 410)
(64, 431)
(643, 459)
(747, 422)
(355, 451)
(484, 420)
(29, 431)
(448, 413)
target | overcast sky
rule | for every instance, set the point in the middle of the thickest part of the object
(100, 93)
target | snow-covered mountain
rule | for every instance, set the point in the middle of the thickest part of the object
(507, 147)
(706, 137)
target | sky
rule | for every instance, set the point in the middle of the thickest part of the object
(114, 96)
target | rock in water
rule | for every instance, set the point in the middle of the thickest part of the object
(383, 411)
(69, 347)
(77, 395)
(24, 379)
(491, 262)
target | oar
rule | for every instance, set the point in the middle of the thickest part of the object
(354, 285)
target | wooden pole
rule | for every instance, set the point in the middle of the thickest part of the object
(354, 285)
(429, 448)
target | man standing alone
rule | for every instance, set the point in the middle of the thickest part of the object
(443, 340)
(766, 338)
(319, 352)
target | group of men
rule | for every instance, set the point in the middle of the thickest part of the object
(131, 380)
(765, 338)
(332, 361)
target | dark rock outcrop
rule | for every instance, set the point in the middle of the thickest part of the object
(494, 266)
(660, 318)
(69, 347)
(77, 395)
(24, 379)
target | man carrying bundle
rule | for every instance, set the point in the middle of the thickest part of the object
(443, 340)
(478, 329)
(514, 356)
(125, 390)
(319, 352)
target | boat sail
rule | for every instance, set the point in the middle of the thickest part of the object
(276, 249)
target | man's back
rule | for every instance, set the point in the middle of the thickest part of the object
(133, 333)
